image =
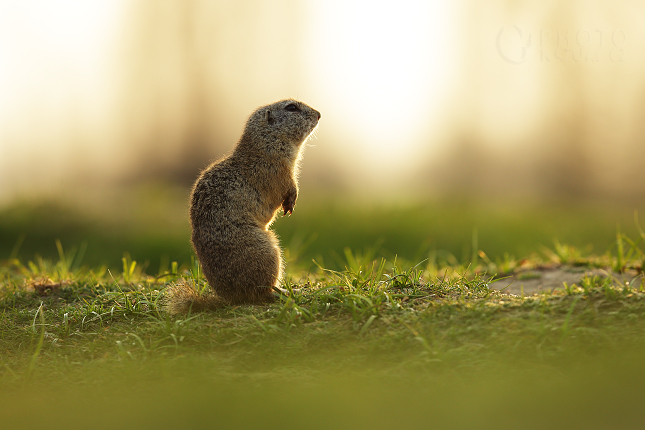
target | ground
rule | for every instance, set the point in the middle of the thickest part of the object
(551, 277)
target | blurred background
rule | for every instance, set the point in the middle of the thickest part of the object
(446, 125)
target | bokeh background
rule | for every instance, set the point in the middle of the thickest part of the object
(446, 125)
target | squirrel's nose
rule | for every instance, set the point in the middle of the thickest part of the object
(318, 113)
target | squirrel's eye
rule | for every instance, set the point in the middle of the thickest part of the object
(291, 108)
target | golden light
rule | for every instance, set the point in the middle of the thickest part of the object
(55, 73)
(386, 68)
(100, 88)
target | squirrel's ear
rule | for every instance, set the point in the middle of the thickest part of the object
(267, 117)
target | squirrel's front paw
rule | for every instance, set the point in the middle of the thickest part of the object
(289, 202)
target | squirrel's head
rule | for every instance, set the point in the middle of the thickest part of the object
(281, 126)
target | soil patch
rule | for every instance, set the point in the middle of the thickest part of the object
(533, 281)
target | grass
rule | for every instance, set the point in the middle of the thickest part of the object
(379, 344)
(365, 337)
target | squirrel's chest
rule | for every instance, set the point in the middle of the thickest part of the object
(267, 205)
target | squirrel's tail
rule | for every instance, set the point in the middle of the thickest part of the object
(182, 297)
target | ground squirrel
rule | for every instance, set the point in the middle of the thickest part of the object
(235, 200)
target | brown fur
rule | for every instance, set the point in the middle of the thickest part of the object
(235, 200)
